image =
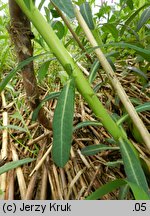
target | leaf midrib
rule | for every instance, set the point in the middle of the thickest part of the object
(62, 120)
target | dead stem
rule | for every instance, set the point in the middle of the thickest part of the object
(56, 176)
(31, 185)
(43, 191)
(41, 161)
(4, 149)
(20, 175)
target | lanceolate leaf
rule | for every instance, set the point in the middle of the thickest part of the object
(87, 123)
(65, 6)
(41, 4)
(132, 165)
(138, 71)
(105, 189)
(114, 163)
(144, 18)
(14, 127)
(87, 14)
(145, 53)
(138, 192)
(28, 3)
(130, 4)
(58, 28)
(131, 18)
(93, 71)
(63, 125)
(43, 70)
(94, 149)
(14, 164)
(140, 108)
(123, 192)
(110, 27)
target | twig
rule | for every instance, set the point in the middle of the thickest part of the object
(39, 138)
(51, 181)
(92, 181)
(70, 179)
(84, 159)
(81, 192)
(74, 180)
(41, 161)
(78, 175)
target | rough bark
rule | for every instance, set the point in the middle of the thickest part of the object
(21, 35)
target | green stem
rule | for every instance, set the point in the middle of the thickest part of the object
(71, 67)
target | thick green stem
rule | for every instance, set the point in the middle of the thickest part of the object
(71, 67)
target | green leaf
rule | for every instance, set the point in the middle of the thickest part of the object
(93, 71)
(16, 115)
(105, 189)
(41, 4)
(87, 15)
(87, 123)
(28, 3)
(110, 27)
(66, 6)
(112, 54)
(68, 69)
(14, 71)
(143, 19)
(3, 7)
(131, 18)
(47, 98)
(94, 149)
(145, 53)
(43, 70)
(63, 125)
(59, 29)
(132, 165)
(54, 13)
(63, 76)
(140, 108)
(123, 192)
(3, 37)
(111, 63)
(79, 2)
(130, 4)
(14, 164)
(138, 71)
(138, 192)
(14, 127)
(116, 163)
(47, 14)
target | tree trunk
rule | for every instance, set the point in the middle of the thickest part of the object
(21, 35)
